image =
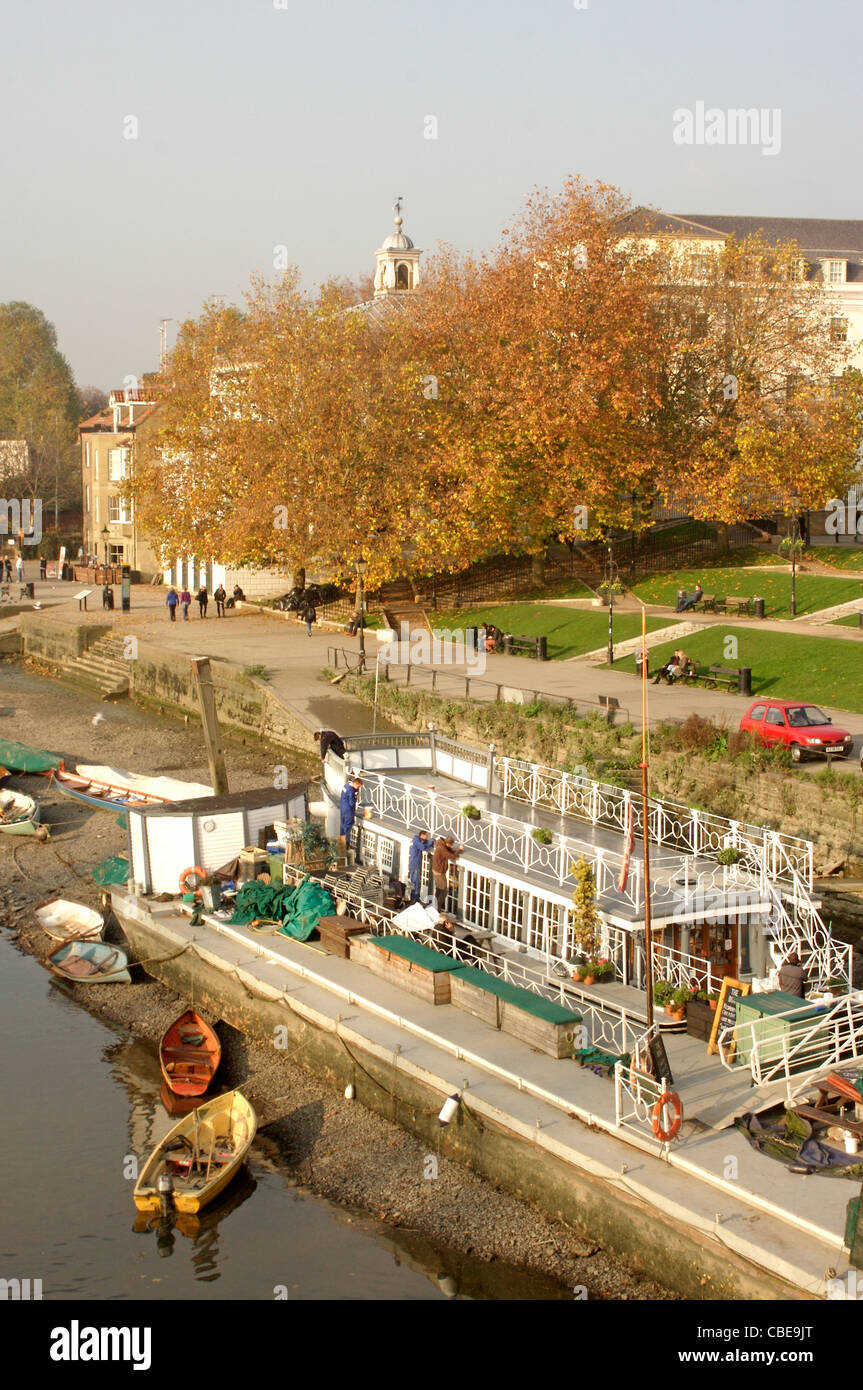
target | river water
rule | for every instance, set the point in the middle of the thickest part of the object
(80, 1103)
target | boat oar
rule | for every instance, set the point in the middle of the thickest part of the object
(210, 1156)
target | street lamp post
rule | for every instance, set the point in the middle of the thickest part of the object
(105, 535)
(362, 566)
(611, 575)
(795, 500)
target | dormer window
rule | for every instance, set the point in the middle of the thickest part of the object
(835, 272)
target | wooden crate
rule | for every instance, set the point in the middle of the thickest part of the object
(554, 1039)
(336, 933)
(431, 985)
(479, 1002)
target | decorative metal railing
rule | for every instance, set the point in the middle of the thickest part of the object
(804, 1045)
(802, 932)
(508, 843)
(682, 970)
(635, 1097)
(765, 853)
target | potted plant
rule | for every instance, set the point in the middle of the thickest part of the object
(676, 1008)
(713, 1000)
(586, 925)
(542, 836)
(608, 591)
(728, 855)
(471, 812)
(662, 992)
(587, 974)
(604, 970)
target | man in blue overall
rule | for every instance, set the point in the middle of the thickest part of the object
(348, 809)
(420, 844)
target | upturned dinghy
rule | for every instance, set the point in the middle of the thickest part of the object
(19, 814)
(198, 1157)
(63, 919)
(189, 1055)
(90, 963)
(113, 789)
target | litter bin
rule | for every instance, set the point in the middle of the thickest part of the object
(758, 605)
(744, 680)
(639, 663)
(29, 590)
(542, 649)
(860, 616)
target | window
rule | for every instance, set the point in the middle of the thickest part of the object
(834, 272)
(117, 464)
(477, 899)
(839, 330)
(546, 925)
(510, 911)
(757, 712)
(119, 511)
(88, 497)
(87, 454)
(774, 716)
(402, 281)
(115, 554)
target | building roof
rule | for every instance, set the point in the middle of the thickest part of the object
(642, 221)
(816, 236)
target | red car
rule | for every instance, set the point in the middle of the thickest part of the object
(805, 730)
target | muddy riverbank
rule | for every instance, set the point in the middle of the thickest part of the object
(331, 1146)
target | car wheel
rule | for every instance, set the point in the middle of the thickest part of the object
(796, 753)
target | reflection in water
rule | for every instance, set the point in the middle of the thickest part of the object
(202, 1229)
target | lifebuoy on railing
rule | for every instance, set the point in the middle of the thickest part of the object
(667, 1098)
(198, 873)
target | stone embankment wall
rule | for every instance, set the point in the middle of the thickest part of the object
(162, 680)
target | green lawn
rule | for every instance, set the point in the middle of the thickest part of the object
(850, 620)
(784, 666)
(814, 591)
(838, 557)
(570, 632)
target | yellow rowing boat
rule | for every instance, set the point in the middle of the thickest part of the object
(198, 1157)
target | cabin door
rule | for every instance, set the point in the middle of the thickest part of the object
(716, 942)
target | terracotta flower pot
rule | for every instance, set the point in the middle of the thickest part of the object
(589, 980)
(712, 1003)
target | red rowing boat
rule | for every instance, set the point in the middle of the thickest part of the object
(189, 1055)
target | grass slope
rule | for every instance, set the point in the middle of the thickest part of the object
(570, 632)
(814, 591)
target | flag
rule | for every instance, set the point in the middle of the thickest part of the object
(630, 840)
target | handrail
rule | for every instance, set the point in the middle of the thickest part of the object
(835, 1035)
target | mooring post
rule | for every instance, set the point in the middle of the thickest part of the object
(210, 721)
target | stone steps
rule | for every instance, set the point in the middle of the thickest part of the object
(102, 667)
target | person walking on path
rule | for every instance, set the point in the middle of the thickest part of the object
(348, 809)
(309, 617)
(8, 568)
(420, 844)
(220, 596)
(203, 600)
(172, 600)
(19, 568)
(185, 599)
(328, 738)
(445, 853)
(43, 568)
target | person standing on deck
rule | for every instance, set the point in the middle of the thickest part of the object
(348, 809)
(420, 844)
(792, 977)
(445, 853)
(328, 738)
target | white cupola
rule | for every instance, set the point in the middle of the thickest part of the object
(398, 267)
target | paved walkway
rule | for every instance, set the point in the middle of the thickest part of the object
(294, 661)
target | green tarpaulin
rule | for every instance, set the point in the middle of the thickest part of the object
(112, 871)
(17, 757)
(298, 909)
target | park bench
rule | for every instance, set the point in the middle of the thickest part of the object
(609, 703)
(737, 604)
(707, 603)
(533, 646)
(726, 676)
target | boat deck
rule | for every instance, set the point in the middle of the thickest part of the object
(781, 1222)
(668, 867)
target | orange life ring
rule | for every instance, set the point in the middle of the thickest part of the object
(671, 1098)
(185, 887)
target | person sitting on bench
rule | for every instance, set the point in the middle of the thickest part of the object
(673, 668)
(695, 597)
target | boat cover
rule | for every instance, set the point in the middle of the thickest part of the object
(110, 871)
(780, 1134)
(167, 788)
(17, 757)
(298, 909)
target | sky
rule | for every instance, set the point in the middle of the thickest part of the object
(156, 154)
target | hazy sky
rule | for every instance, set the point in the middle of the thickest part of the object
(296, 122)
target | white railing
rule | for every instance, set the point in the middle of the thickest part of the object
(506, 842)
(805, 1044)
(775, 854)
(802, 932)
(635, 1096)
(682, 970)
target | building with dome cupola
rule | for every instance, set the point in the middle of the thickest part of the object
(398, 261)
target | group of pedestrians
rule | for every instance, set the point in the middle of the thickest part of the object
(444, 852)
(183, 600)
(19, 569)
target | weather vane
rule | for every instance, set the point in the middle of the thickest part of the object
(397, 206)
